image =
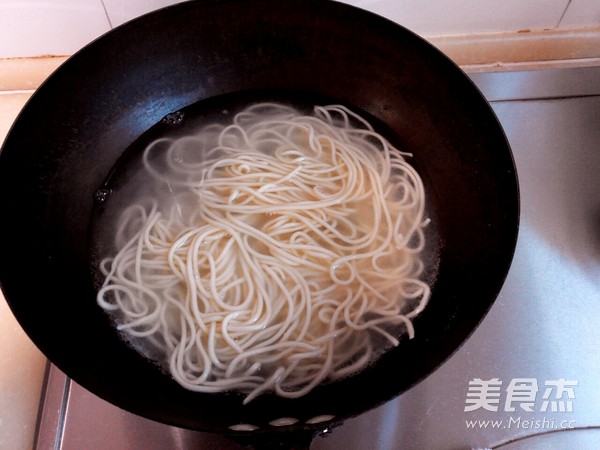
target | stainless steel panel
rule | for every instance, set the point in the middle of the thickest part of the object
(538, 84)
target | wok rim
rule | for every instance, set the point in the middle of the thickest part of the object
(72, 62)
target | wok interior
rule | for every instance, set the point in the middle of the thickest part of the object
(98, 103)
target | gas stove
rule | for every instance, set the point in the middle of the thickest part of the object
(528, 376)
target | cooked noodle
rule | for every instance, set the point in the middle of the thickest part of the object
(290, 241)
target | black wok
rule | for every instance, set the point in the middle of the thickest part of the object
(67, 138)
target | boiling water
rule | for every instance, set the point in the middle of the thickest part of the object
(129, 183)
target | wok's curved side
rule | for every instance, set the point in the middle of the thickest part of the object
(77, 124)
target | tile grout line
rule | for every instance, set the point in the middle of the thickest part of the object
(108, 17)
(559, 19)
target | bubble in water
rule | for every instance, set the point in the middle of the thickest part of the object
(102, 195)
(174, 118)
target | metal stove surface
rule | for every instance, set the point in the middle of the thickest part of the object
(528, 377)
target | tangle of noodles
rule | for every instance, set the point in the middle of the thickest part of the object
(290, 242)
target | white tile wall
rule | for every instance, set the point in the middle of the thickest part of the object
(41, 27)
(120, 11)
(441, 17)
(581, 13)
(50, 27)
